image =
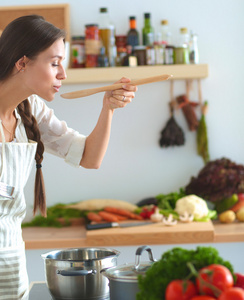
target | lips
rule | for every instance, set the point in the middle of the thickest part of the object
(57, 87)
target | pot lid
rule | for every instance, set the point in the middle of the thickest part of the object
(127, 272)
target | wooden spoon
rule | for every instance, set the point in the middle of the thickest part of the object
(116, 86)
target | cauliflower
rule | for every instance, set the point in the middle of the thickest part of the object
(193, 205)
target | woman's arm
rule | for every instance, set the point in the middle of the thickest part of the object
(97, 142)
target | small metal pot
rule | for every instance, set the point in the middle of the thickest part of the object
(74, 274)
(123, 280)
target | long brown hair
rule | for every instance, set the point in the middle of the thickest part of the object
(28, 36)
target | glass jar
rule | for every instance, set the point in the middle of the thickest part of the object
(78, 52)
(92, 45)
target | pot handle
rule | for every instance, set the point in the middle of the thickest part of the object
(76, 272)
(138, 255)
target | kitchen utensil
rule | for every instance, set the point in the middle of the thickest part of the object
(115, 224)
(123, 280)
(6, 190)
(116, 86)
(74, 274)
(172, 134)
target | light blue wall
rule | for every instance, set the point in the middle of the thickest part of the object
(135, 166)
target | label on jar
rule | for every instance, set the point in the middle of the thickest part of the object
(78, 54)
(92, 47)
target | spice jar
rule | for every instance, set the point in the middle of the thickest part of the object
(92, 45)
(78, 52)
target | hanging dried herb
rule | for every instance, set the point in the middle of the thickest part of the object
(202, 136)
(188, 111)
(172, 134)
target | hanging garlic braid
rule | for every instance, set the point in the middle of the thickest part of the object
(33, 133)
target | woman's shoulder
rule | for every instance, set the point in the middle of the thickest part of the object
(38, 106)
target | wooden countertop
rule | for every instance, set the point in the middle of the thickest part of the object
(154, 234)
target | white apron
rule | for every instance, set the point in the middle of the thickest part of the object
(15, 166)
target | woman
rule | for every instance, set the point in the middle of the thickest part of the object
(31, 54)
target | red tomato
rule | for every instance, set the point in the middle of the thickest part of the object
(234, 293)
(180, 290)
(239, 280)
(241, 197)
(203, 297)
(214, 279)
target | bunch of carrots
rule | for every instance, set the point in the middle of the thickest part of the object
(112, 214)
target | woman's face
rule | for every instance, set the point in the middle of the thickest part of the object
(44, 74)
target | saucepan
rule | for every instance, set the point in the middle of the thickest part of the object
(123, 280)
(75, 273)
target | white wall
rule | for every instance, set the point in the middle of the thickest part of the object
(135, 167)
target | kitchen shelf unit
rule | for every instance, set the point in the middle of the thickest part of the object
(112, 74)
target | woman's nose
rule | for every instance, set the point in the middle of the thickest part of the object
(62, 74)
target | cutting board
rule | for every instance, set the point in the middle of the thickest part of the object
(158, 233)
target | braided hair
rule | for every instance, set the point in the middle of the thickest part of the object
(28, 36)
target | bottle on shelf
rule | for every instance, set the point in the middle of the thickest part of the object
(120, 41)
(130, 59)
(193, 49)
(165, 33)
(159, 50)
(181, 51)
(133, 35)
(147, 29)
(107, 33)
(166, 38)
(102, 60)
(150, 50)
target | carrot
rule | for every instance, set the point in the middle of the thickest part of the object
(94, 217)
(237, 206)
(123, 212)
(108, 216)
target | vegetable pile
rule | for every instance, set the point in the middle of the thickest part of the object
(219, 179)
(183, 274)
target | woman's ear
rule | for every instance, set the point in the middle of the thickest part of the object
(21, 63)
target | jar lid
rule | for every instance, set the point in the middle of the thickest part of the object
(127, 272)
(91, 25)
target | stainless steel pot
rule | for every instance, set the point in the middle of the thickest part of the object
(123, 280)
(74, 274)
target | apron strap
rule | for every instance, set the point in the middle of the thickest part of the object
(3, 149)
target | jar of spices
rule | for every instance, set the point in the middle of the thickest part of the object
(92, 45)
(78, 52)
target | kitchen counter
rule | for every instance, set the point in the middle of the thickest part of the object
(154, 234)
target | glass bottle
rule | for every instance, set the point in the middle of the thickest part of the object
(181, 51)
(165, 33)
(150, 50)
(102, 58)
(147, 29)
(130, 59)
(159, 50)
(133, 35)
(193, 49)
(106, 30)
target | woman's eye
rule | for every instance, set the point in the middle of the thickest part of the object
(55, 64)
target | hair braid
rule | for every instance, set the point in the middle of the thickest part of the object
(33, 133)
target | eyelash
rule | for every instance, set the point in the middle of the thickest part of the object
(55, 65)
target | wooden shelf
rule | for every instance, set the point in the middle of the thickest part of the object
(92, 75)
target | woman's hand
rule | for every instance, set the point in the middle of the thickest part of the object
(120, 98)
